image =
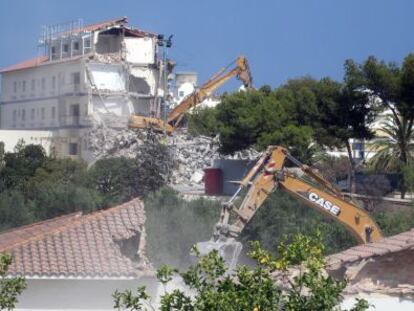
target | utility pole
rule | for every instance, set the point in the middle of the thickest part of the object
(165, 44)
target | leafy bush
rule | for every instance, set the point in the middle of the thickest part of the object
(10, 288)
(213, 287)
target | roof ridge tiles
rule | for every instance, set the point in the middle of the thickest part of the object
(79, 220)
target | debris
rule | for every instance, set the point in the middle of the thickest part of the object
(189, 154)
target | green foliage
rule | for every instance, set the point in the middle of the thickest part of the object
(281, 215)
(408, 177)
(394, 222)
(14, 211)
(130, 301)
(115, 179)
(213, 287)
(21, 165)
(203, 122)
(393, 85)
(10, 288)
(35, 187)
(294, 115)
(173, 225)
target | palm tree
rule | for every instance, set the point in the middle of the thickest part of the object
(395, 149)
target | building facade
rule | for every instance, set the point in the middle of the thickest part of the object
(88, 75)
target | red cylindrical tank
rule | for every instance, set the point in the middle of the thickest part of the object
(213, 181)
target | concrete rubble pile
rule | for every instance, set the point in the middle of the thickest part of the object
(190, 154)
(106, 142)
(193, 154)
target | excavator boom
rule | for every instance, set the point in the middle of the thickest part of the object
(270, 173)
(241, 71)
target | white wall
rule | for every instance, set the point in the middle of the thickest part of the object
(108, 76)
(382, 303)
(11, 137)
(76, 294)
(140, 50)
(44, 101)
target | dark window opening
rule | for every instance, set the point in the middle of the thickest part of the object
(138, 85)
(66, 48)
(73, 149)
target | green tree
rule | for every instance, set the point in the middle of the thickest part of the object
(2, 153)
(14, 211)
(174, 225)
(203, 121)
(343, 114)
(21, 165)
(10, 288)
(393, 86)
(116, 179)
(261, 118)
(215, 288)
(389, 155)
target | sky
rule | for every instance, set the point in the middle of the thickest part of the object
(281, 39)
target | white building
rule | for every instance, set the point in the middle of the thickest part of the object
(98, 73)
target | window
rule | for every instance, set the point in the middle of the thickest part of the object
(43, 113)
(43, 84)
(65, 48)
(32, 114)
(53, 82)
(53, 50)
(75, 110)
(14, 115)
(15, 86)
(73, 149)
(76, 78)
(24, 86)
(33, 85)
(23, 115)
(87, 43)
(53, 112)
(76, 46)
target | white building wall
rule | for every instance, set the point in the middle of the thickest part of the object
(67, 94)
(382, 302)
(10, 138)
(42, 295)
(41, 97)
(140, 50)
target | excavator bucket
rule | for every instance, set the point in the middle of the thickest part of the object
(229, 249)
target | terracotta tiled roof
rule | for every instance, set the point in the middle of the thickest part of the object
(384, 246)
(19, 235)
(101, 25)
(108, 243)
(34, 62)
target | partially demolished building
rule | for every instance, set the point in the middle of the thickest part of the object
(87, 75)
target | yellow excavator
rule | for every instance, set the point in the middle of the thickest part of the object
(241, 71)
(303, 183)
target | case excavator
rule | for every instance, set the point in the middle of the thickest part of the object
(303, 183)
(241, 71)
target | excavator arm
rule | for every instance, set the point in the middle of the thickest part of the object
(241, 71)
(270, 173)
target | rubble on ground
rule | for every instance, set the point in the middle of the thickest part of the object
(190, 154)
